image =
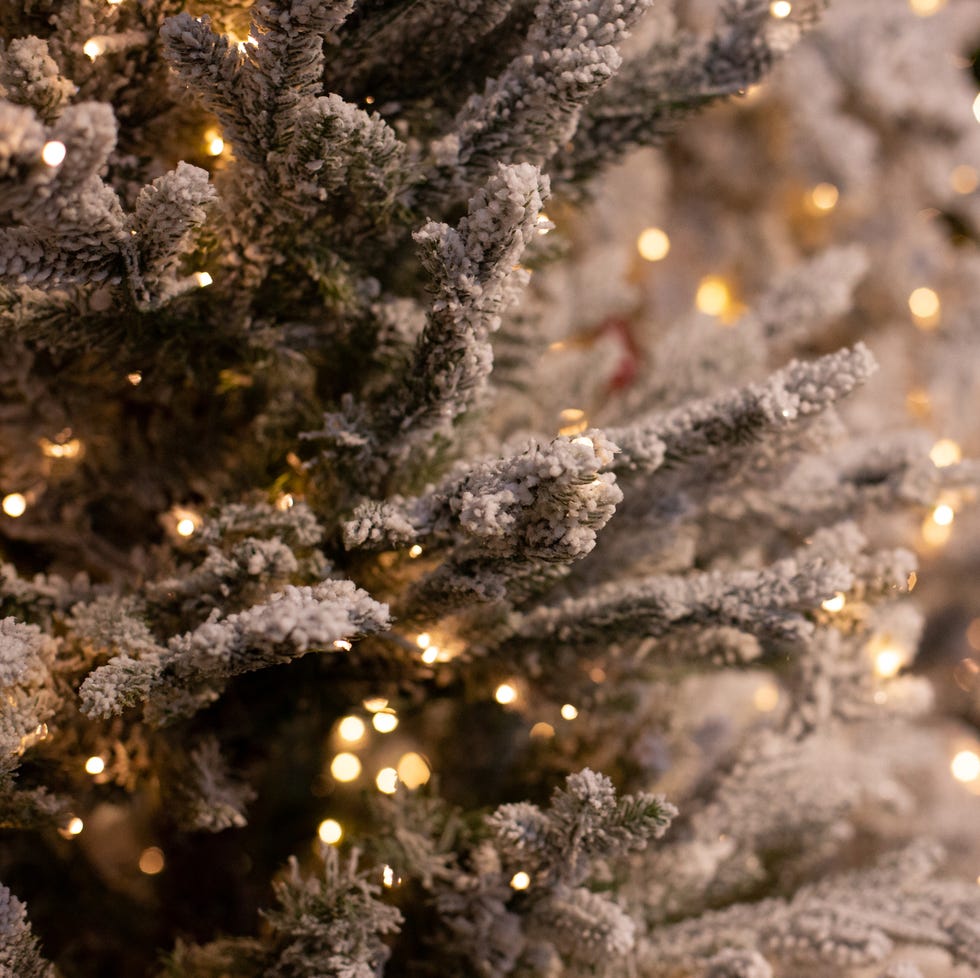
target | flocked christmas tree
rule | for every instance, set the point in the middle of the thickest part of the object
(358, 514)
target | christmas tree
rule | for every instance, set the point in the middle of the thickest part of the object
(398, 578)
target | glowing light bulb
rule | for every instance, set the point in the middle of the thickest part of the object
(285, 502)
(653, 244)
(924, 305)
(965, 766)
(964, 179)
(713, 296)
(414, 551)
(203, 279)
(53, 153)
(388, 876)
(569, 712)
(430, 655)
(345, 767)
(945, 452)
(374, 704)
(834, 604)
(384, 721)
(505, 693)
(151, 861)
(330, 831)
(573, 421)
(823, 197)
(92, 48)
(544, 224)
(520, 881)
(342, 645)
(351, 729)
(387, 780)
(186, 527)
(943, 515)
(889, 661)
(766, 697)
(926, 8)
(75, 826)
(14, 504)
(780, 9)
(413, 770)
(215, 144)
(423, 640)
(542, 730)
(976, 108)
(94, 765)
(135, 378)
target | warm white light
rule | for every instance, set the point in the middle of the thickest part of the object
(186, 527)
(345, 766)
(413, 770)
(215, 144)
(14, 504)
(430, 655)
(342, 645)
(573, 421)
(936, 534)
(61, 449)
(945, 452)
(75, 826)
(544, 223)
(384, 721)
(780, 9)
(569, 712)
(926, 8)
(824, 197)
(653, 244)
(543, 730)
(285, 502)
(964, 179)
(351, 729)
(374, 704)
(95, 765)
(92, 48)
(713, 296)
(53, 153)
(203, 279)
(135, 378)
(387, 780)
(889, 661)
(966, 766)
(924, 305)
(834, 604)
(423, 640)
(766, 697)
(414, 551)
(943, 515)
(520, 881)
(330, 831)
(505, 693)
(152, 861)
(976, 108)
(388, 876)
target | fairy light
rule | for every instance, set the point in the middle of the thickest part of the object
(94, 765)
(542, 730)
(573, 422)
(414, 551)
(964, 179)
(14, 504)
(888, 657)
(374, 703)
(935, 534)
(505, 693)
(388, 878)
(203, 279)
(976, 108)
(92, 48)
(823, 197)
(75, 826)
(386, 780)
(544, 224)
(945, 452)
(965, 766)
(520, 881)
(285, 502)
(135, 378)
(413, 770)
(71, 448)
(653, 244)
(187, 525)
(597, 674)
(351, 729)
(568, 712)
(926, 8)
(342, 645)
(430, 655)
(152, 861)
(943, 515)
(53, 153)
(345, 767)
(924, 305)
(780, 9)
(834, 604)
(330, 831)
(423, 640)
(713, 296)
(766, 697)
(384, 721)
(215, 144)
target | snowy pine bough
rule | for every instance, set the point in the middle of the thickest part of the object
(278, 445)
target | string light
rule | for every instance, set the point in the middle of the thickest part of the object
(924, 305)
(935, 534)
(351, 729)
(888, 657)
(926, 8)
(374, 704)
(542, 730)
(423, 640)
(965, 766)
(94, 765)
(135, 378)
(187, 523)
(520, 881)
(569, 712)
(151, 861)
(780, 9)
(505, 693)
(14, 504)
(430, 655)
(766, 697)
(53, 153)
(544, 224)
(653, 244)
(345, 767)
(597, 674)
(976, 108)
(388, 878)
(413, 770)
(342, 645)
(414, 551)
(713, 296)
(964, 179)
(330, 831)
(71, 448)
(75, 826)
(945, 452)
(92, 48)
(285, 502)
(387, 780)
(943, 515)
(203, 279)
(823, 197)
(215, 144)
(834, 604)
(573, 421)
(384, 721)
